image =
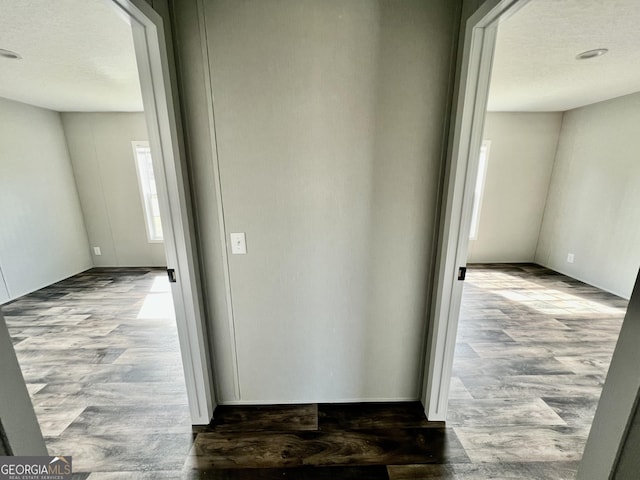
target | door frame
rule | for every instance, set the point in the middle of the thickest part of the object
(478, 38)
(152, 44)
(20, 432)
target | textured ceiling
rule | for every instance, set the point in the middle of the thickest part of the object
(77, 56)
(535, 67)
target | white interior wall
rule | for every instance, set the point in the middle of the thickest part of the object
(593, 209)
(103, 162)
(521, 157)
(42, 233)
(329, 135)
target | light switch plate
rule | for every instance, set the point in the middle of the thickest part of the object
(238, 243)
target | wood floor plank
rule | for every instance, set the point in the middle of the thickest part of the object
(265, 418)
(105, 378)
(475, 471)
(375, 472)
(366, 416)
(295, 449)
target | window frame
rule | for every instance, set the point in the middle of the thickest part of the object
(478, 192)
(148, 215)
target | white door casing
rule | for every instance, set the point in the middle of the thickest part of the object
(150, 42)
(478, 43)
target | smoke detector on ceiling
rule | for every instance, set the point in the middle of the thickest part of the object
(591, 54)
(9, 54)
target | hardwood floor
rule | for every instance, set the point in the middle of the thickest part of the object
(337, 440)
(533, 351)
(100, 356)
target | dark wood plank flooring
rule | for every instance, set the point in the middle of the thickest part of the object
(100, 356)
(339, 440)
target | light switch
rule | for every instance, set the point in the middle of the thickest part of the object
(238, 244)
(97, 251)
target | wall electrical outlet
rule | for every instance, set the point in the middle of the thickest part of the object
(238, 244)
(570, 257)
(97, 251)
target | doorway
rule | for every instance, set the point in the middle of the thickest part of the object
(100, 356)
(477, 58)
(151, 56)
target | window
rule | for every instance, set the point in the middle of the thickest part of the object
(148, 192)
(477, 194)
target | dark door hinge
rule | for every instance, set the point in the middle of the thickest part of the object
(462, 273)
(171, 272)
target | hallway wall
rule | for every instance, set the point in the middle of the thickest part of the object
(329, 137)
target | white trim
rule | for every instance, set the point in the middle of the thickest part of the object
(153, 68)
(614, 424)
(467, 124)
(20, 426)
(206, 60)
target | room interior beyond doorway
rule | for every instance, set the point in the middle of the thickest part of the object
(530, 364)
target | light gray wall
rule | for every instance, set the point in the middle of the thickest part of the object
(329, 123)
(593, 205)
(610, 437)
(521, 157)
(103, 162)
(21, 429)
(42, 234)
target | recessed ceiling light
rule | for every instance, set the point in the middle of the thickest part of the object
(591, 53)
(9, 54)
